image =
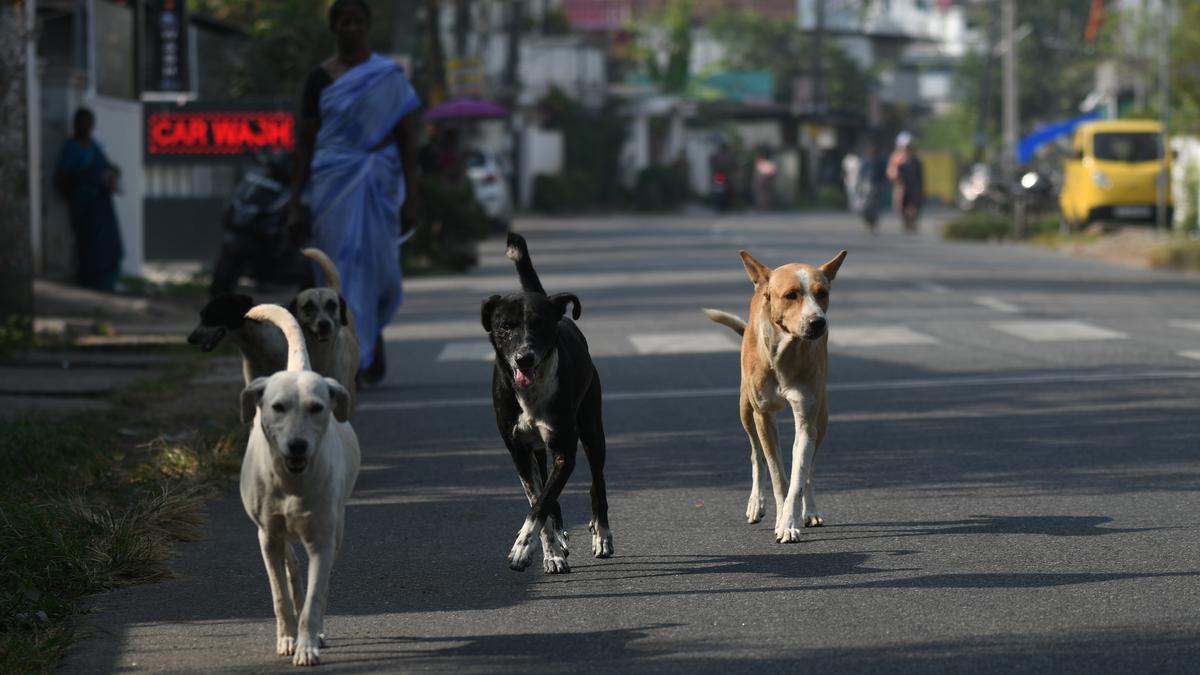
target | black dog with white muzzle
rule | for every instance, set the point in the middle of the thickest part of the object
(546, 394)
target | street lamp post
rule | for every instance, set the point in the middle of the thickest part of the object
(1164, 71)
(1008, 11)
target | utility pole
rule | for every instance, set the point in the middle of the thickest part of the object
(1164, 114)
(16, 256)
(436, 57)
(1008, 12)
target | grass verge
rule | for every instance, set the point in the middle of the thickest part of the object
(988, 226)
(85, 506)
(1182, 253)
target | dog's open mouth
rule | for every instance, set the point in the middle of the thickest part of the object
(295, 464)
(524, 377)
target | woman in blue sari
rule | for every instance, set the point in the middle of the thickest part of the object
(357, 143)
(87, 179)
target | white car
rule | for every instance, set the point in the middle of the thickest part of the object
(489, 182)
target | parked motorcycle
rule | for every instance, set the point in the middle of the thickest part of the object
(982, 189)
(255, 240)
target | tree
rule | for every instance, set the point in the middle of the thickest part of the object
(664, 46)
(754, 41)
(16, 257)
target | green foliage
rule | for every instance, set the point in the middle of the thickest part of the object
(755, 41)
(978, 226)
(661, 188)
(663, 46)
(592, 142)
(451, 224)
(570, 192)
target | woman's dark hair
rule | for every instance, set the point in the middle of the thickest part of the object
(83, 116)
(339, 6)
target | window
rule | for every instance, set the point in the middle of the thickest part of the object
(1128, 146)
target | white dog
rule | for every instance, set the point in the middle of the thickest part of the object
(299, 469)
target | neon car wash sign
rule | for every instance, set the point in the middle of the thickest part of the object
(184, 133)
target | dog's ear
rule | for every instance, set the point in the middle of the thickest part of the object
(485, 312)
(758, 272)
(563, 299)
(340, 399)
(251, 397)
(830, 268)
(342, 310)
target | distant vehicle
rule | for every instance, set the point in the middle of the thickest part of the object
(490, 187)
(1113, 173)
(978, 191)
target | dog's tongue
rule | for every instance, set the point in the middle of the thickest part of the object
(523, 380)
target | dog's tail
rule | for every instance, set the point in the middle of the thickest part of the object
(332, 278)
(297, 358)
(518, 252)
(727, 319)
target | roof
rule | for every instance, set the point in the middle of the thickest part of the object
(1101, 126)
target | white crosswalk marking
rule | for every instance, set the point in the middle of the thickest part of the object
(684, 343)
(1185, 323)
(1190, 355)
(1056, 331)
(878, 336)
(996, 304)
(467, 350)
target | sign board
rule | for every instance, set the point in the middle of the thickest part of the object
(165, 69)
(211, 133)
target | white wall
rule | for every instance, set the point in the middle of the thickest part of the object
(541, 152)
(119, 131)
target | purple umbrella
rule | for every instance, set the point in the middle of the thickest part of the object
(465, 109)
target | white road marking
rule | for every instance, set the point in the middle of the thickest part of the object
(929, 383)
(1056, 331)
(684, 343)
(877, 336)
(1190, 355)
(996, 304)
(467, 350)
(932, 287)
(1185, 323)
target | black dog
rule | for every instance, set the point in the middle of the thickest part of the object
(263, 347)
(546, 393)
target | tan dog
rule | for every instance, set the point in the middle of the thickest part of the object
(784, 360)
(328, 325)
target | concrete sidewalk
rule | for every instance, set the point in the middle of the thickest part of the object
(104, 346)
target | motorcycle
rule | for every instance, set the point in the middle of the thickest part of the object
(255, 239)
(719, 191)
(981, 189)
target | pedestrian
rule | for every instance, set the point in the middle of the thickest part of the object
(721, 167)
(88, 180)
(851, 173)
(764, 179)
(872, 184)
(357, 142)
(908, 175)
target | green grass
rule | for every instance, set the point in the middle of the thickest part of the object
(195, 286)
(1180, 254)
(989, 226)
(83, 509)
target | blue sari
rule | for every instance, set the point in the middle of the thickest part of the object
(358, 189)
(81, 172)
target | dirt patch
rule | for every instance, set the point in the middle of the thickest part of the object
(1127, 246)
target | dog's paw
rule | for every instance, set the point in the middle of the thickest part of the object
(554, 564)
(787, 535)
(519, 556)
(307, 653)
(813, 519)
(285, 646)
(755, 509)
(602, 541)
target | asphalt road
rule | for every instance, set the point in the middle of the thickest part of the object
(1010, 482)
